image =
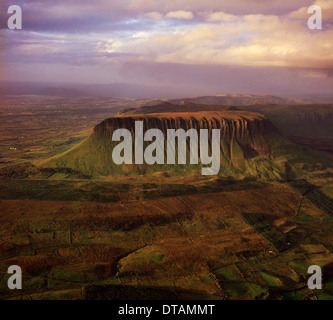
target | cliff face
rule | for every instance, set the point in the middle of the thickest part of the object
(312, 120)
(249, 143)
(246, 129)
(314, 124)
(231, 123)
(304, 124)
(316, 119)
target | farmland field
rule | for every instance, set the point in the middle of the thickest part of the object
(78, 236)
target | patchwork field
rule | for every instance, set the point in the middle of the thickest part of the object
(34, 127)
(158, 236)
(200, 245)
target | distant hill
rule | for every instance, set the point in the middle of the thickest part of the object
(168, 107)
(233, 100)
(170, 93)
(39, 89)
(112, 90)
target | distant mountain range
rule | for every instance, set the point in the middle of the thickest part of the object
(173, 94)
(113, 90)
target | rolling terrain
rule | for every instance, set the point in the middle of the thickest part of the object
(83, 228)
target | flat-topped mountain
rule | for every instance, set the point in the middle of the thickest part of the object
(231, 123)
(250, 146)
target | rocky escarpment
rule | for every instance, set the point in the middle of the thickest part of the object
(316, 119)
(240, 125)
(244, 128)
(312, 120)
(314, 124)
(250, 145)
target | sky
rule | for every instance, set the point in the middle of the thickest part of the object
(210, 46)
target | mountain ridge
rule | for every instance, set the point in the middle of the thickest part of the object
(251, 146)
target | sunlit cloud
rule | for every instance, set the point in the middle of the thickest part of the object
(250, 40)
(222, 17)
(153, 15)
(186, 15)
(325, 5)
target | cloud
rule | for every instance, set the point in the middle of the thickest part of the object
(255, 40)
(325, 5)
(153, 15)
(181, 15)
(197, 37)
(222, 17)
(233, 7)
(186, 15)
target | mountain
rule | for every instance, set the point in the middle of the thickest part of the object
(310, 125)
(233, 100)
(312, 120)
(171, 93)
(39, 89)
(169, 107)
(303, 120)
(250, 146)
(112, 90)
